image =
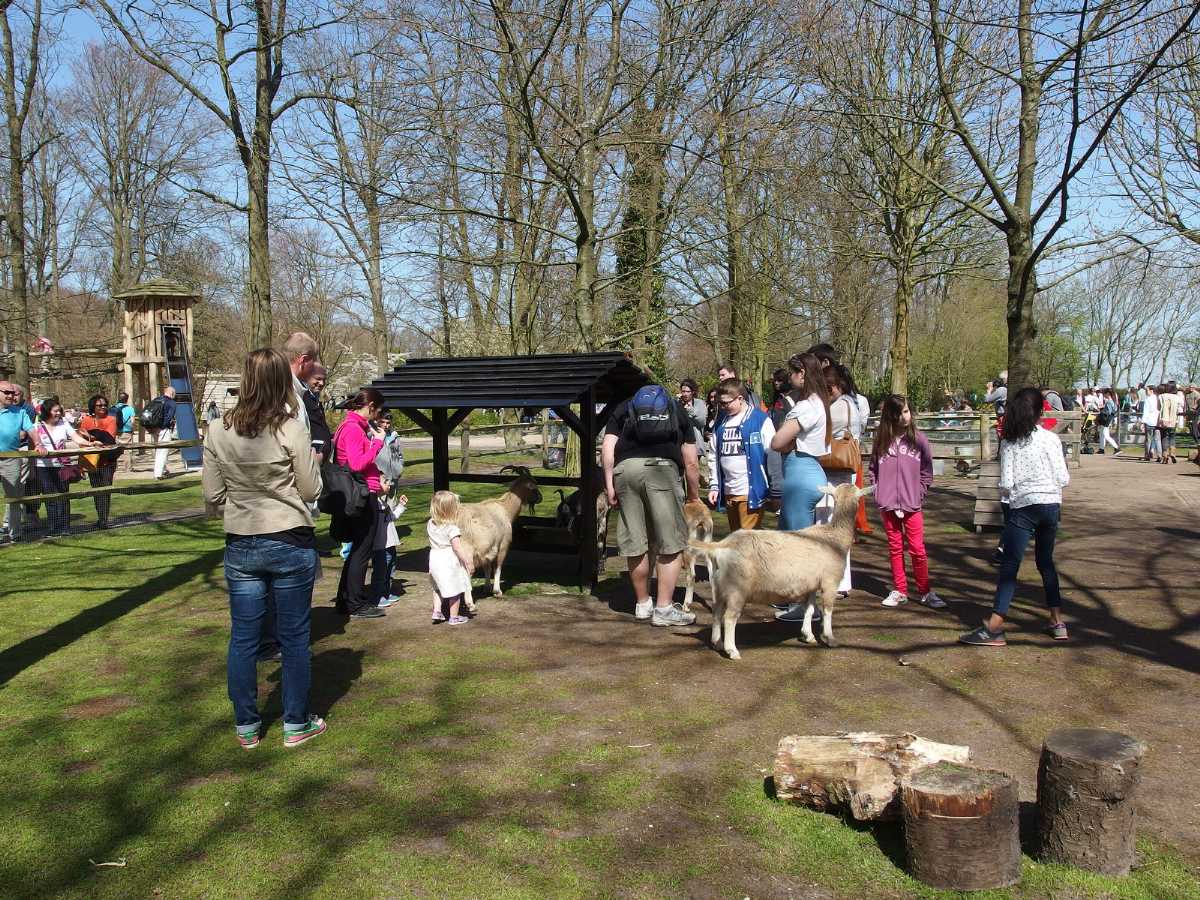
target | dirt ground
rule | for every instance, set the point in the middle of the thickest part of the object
(1128, 554)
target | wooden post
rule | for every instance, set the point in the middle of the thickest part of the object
(1087, 781)
(545, 438)
(589, 552)
(464, 447)
(960, 827)
(985, 437)
(441, 451)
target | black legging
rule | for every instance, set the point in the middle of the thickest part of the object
(57, 511)
(352, 593)
(102, 477)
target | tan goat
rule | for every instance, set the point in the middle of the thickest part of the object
(487, 526)
(781, 566)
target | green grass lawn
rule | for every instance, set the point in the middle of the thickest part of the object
(454, 766)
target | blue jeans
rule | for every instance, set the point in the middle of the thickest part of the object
(255, 568)
(802, 480)
(1040, 522)
(383, 563)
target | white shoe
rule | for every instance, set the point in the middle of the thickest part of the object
(933, 601)
(895, 598)
(643, 609)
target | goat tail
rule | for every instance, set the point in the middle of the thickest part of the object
(709, 549)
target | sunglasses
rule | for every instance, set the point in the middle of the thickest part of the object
(9, 393)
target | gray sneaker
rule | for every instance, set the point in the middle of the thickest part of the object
(671, 615)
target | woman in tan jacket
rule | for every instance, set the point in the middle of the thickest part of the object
(259, 465)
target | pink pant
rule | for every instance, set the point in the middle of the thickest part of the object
(910, 529)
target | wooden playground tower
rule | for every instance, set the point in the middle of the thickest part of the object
(148, 306)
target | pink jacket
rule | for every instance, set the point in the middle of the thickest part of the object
(356, 450)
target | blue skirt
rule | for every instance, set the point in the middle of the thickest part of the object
(803, 478)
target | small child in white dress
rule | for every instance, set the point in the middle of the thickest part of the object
(450, 564)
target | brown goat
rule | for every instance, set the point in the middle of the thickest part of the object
(487, 526)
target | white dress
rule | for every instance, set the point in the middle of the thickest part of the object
(449, 577)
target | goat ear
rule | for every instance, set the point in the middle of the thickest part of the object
(866, 491)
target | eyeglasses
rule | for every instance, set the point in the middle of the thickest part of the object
(9, 393)
(728, 401)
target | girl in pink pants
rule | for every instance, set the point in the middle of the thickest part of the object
(902, 470)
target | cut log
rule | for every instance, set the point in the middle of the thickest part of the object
(856, 773)
(1087, 781)
(961, 827)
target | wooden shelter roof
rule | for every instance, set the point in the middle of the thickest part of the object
(156, 287)
(494, 382)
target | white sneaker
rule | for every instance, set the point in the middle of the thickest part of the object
(895, 598)
(672, 615)
(643, 609)
(933, 601)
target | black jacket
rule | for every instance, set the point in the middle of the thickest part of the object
(317, 426)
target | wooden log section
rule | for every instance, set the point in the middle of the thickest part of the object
(961, 828)
(1087, 782)
(857, 773)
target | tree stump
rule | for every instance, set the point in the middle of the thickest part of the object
(961, 828)
(857, 773)
(1087, 780)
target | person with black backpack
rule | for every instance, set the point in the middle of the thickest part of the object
(158, 418)
(649, 449)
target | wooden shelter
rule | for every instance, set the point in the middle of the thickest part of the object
(582, 388)
(148, 306)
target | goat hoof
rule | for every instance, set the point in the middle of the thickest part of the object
(733, 654)
(809, 639)
(829, 642)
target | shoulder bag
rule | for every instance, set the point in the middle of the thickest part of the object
(68, 473)
(343, 493)
(844, 453)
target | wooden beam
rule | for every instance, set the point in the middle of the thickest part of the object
(588, 552)
(545, 480)
(458, 417)
(569, 418)
(419, 418)
(441, 451)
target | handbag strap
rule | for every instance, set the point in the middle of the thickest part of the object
(46, 431)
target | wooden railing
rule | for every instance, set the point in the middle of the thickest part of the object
(154, 488)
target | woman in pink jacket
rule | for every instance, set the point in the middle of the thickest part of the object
(356, 442)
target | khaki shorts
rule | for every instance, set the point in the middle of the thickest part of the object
(650, 495)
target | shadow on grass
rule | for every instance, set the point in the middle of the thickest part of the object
(16, 659)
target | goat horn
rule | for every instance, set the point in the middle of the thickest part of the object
(826, 489)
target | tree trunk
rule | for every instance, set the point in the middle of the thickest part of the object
(258, 286)
(901, 304)
(1087, 782)
(733, 260)
(379, 321)
(859, 773)
(1022, 330)
(15, 110)
(961, 827)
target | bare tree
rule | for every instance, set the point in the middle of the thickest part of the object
(895, 137)
(134, 137)
(207, 49)
(21, 75)
(1060, 76)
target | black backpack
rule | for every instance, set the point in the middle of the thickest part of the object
(653, 417)
(1068, 402)
(155, 413)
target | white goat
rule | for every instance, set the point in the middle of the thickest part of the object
(487, 526)
(782, 566)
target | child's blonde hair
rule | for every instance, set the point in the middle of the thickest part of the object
(443, 508)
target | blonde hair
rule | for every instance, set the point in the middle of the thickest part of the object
(443, 508)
